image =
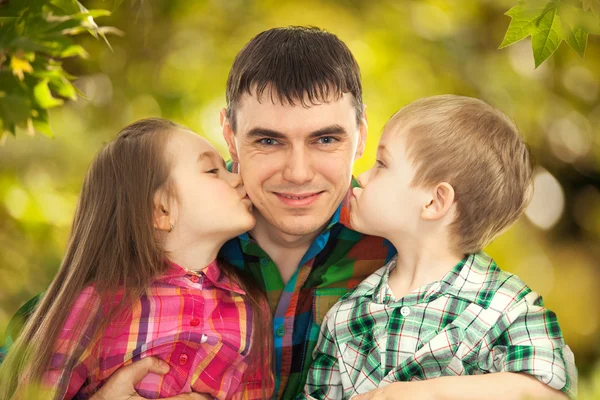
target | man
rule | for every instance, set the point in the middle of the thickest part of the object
(294, 124)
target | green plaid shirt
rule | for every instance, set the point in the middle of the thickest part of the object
(477, 319)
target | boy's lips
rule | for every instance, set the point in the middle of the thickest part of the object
(298, 199)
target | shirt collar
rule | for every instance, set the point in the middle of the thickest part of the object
(454, 283)
(212, 272)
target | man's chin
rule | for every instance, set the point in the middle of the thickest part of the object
(298, 226)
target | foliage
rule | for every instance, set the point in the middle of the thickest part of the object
(550, 22)
(35, 36)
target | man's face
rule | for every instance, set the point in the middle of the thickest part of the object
(296, 162)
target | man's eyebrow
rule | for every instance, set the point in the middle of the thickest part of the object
(329, 130)
(264, 132)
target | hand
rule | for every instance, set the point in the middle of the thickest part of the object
(121, 384)
(398, 390)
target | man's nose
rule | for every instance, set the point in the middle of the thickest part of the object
(299, 167)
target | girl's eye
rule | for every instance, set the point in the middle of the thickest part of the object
(379, 164)
(212, 171)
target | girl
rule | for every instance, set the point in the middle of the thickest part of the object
(140, 278)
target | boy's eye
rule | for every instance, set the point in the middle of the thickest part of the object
(268, 141)
(327, 140)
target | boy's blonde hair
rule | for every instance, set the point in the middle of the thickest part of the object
(476, 149)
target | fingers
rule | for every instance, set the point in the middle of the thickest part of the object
(191, 396)
(135, 372)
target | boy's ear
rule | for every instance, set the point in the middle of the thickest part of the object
(362, 134)
(441, 200)
(228, 134)
(162, 217)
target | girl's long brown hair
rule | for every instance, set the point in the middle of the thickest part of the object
(112, 245)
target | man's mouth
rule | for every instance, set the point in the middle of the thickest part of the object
(298, 199)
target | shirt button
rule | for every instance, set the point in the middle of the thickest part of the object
(195, 322)
(203, 339)
(405, 311)
(194, 278)
(183, 359)
(263, 261)
(280, 331)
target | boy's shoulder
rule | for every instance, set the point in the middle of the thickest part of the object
(481, 281)
(478, 280)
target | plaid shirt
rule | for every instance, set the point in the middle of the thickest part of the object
(198, 323)
(477, 319)
(338, 260)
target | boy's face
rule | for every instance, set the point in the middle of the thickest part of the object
(387, 205)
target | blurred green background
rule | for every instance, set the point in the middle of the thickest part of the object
(173, 62)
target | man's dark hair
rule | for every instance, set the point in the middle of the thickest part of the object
(294, 64)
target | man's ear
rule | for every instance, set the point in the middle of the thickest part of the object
(228, 134)
(162, 215)
(440, 202)
(362, 134)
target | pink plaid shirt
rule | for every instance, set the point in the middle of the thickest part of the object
(198, 323)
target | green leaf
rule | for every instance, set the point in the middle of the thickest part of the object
(548, 23)
(548, 35)
(63, 87)
(14, 109)
(577, 39)
(523, 22)
(68, 7)
(42, 125)
(591, 5)
(43, 96)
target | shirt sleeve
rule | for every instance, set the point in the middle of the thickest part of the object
(324, 380)
(528, 339)
(73, 358)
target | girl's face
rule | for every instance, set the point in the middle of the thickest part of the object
(210, 201)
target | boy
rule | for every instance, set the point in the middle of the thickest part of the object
(452, 173)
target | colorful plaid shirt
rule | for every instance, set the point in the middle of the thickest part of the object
(477, 319)
(197, 322)
(338, 260)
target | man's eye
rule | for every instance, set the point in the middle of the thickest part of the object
(212, 171)
(268, 141)
(327, 140)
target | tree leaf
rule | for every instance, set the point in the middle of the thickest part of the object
(63, 87)
(548, 35)
(42, 125)
(577, 39)
(14, 109)
(19, 66)
(591, 5)
(523, 22)
(43, 96)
